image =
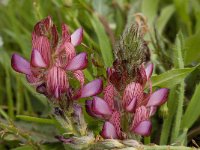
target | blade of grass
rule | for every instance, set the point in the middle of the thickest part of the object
(19, 96)
(192, 112)
(4, 114)
(164, 17)
(167, 124)
(28, 102)
(103, 40)
(171, 77)
(9, 95)
(35, 119)
(178, 63)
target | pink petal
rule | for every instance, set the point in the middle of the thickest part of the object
(37, 60)
(65, 34)
(79, 62)
(108, 131)
(42, 45)
(41, 89)
(78, 74)
(88, 107)
(54, 36)
(133, 90)
(143, 128)
(77, 36)
(100, 107)
(152, 110)
(149, 70)
(43, 26)
(109, 95)
(66, 52)
(115, 119)
(20, 64)
(158, 97)
(33, 80)
(56, 82)
(92, 88)
(130, 107)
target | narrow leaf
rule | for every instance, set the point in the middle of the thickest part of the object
(35, 119)
(103, 40)
(192, 112)
(149, 9)
(164, 17)
(171, 78)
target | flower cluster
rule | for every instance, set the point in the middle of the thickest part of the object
(127, 109)
(128, 101)
(54, 61)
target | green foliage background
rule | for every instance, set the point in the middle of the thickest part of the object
(174, 37)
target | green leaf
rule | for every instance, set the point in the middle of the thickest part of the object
(35, 119)
(179, 51)
(103, 40)
(149, 9)
(192, 47)
(171, 78)
(164, 17)
(26, 147)
(192, 112)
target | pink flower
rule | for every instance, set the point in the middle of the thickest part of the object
(130, 99)
(52, 58)
(141, 123)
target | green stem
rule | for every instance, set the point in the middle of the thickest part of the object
(19, 96)
(147, 140)
(179, 113)
(169, 119)
(67, 125)
(4, 114)
(167, 147)
(9, 95)
(35, 119)
(28, 102)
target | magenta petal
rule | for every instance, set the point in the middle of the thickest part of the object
(92, 88)
(158, 97)
(100, 107)
(152, 110)
(37, 60)
(143, 128)
(79, 62)
(149, 70)
(20, 64)
(88, 107)
(41, 89)
(131, 106)
(78, 74)
(77, 36)
(109, 131)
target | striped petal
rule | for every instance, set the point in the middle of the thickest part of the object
(79, 62)
(158, 97)
(130, 107)
(78, 74)
(77, 36)
(20, 64)
(109, 92)
(37, 60)
(65, 34)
